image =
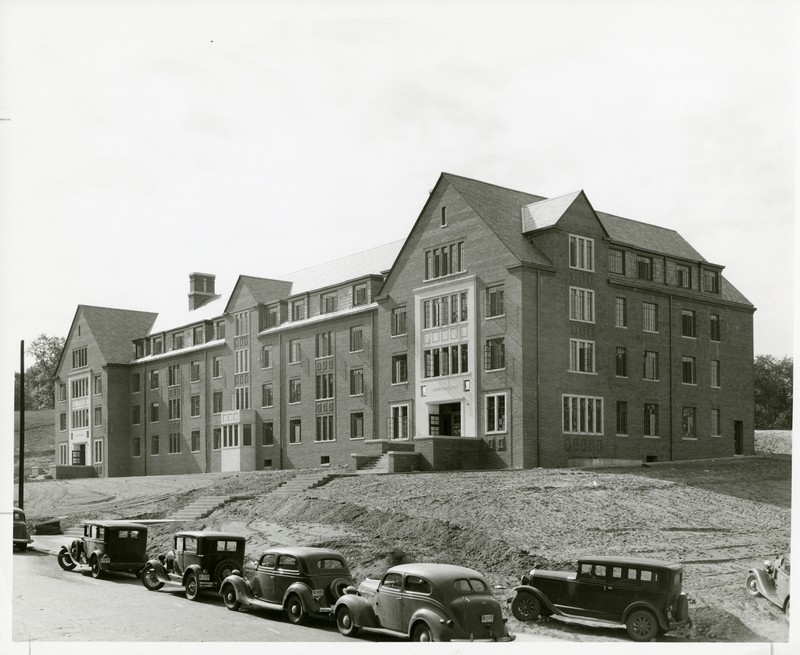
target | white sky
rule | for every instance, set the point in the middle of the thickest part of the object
(144, 141)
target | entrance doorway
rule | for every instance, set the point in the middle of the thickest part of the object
(79, 455)
(738, 438)
(447, 423)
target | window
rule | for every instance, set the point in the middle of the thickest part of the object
(622, 417)
(581, 305)
(445, 310)
(298, 310)
(80, 388)
(216, 367)
(267, 434)
(80, 418)
(357, 425)
(581, 253)
(216, 403)
(271, 317)
(294, 390)
(80, 358)
(230, 436)
(295, 431)
(241, 324)
(582, 415)
(620, 312)
(98, 384)
(266, 395)
(136, 384)
(715, 423)
(174, 443)
(689, 372)
(324, 386)
(324, 344)
(194, 406)
(136, 417)
(447, 360)
(194, 371)
(688, 423)
(328, 303)
(398, 321)
(138, 349)
(399, 369)
(294, 351)
(495, 413)
(174, 375)
(219, 329)
(98, 416)
(398, 422)
(241, 398)
(154, 379)
(62, 392)
(241, 362)
(157, 345)
(198, 334)
(684, 275)
(195, 441)
(325, 428)
(154, 412)
(644, 267)
(177, 341)
(247, 434)
(443, 218)
(650, 420)
(716, 380)
(494, 354)
(360, 294)
(493, 304)
(581, 356)
(714, 324)
(357, 382)
(622, 362)
(688, 323)
(174, 408)
(650, 365)
(98, 451)
(649, 317)
(616, 261)
(356, 338)
(136, 447)
(217, 438)
(444, 260)
(154, 444)
(711, 281)
(62, 421)
(266, 356)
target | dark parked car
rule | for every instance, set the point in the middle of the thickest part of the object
(642, 595)
(107, 546)
(22, 536)
(772, 581)
(302, 582)
(198, 561)
(426, 602)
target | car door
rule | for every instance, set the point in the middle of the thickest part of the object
(263, 582)
(622, 588)
(389, 602)
(589, 596)
(287, 571)
(782, 574)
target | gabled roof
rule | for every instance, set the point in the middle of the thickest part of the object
(263, 290)
(115, 329)
(545, 213)
(648, 237)
(176, 317)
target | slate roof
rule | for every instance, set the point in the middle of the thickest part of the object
(546, 213)
(176, 317)
(115, 329)
(649, 237)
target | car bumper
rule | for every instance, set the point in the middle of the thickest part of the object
(489, 640)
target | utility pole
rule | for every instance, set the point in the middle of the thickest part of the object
(21, 503)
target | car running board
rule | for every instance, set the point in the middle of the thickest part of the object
(257, 603)
(592, 623)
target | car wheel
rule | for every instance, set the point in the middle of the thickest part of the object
(75, 550)
(751, 584)
(295, 611)
(223, 570)
(786, 608)
(94, 563)
(192, 586)
(526, 607)
(229, 598)
(421, 633)
(65, 561)
(22, 547)
(150, 579)
(344, 621)
(337, 588)
(642, 626)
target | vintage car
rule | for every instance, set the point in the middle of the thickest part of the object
(641, 595)
(198, 561)
(426, 602)
(771, 581)
(107, 546)
(21, 535)
(303, 582)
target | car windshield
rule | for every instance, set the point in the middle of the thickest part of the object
(468, 586)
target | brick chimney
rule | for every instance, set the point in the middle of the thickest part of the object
(201, 289)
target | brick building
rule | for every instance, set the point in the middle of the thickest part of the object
(507, 330)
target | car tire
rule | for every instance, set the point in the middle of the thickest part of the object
(230, 598)
(150, 579)
(526, 607)
(642, 626)
(94, 564)
(191, 586)
(751, 584)
(786, 608)
(65, 561)
(421, 632)
(337, 588)
(224, 569)
(22, 547)
(295, 611)
(75, 550)
(345, 623)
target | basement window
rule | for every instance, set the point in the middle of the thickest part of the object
(325, 460)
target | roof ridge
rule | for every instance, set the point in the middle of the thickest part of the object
(331, 261)
(633, 220)
(496, 186)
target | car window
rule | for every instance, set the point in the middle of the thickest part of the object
(392, 581)
(330, 564)
(633, 574)
(600, 572)
(128, 534)
(585, 571)
(288, 563)
(190, 544)
(472, 585)
(648, 578)
(417, 585)
(18, 516)
(223, 546)
(592, 571)
(616, 573)
(101, 531)
(268, 560)
(178, 543)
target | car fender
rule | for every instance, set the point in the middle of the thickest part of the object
(304, 591)
(244, 593)
(192, 568)
(434, 620)
(158, 567)
(361, 610)
(764, 582)
(644, 605)
(543, 599)
(95, 553)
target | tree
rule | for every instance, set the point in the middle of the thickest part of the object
(39, 377)
(773, 392)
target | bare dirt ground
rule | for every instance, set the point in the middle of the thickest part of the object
(718, 517)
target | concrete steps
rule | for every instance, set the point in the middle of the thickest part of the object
(375, 466)
(201, 508)
(302, 483)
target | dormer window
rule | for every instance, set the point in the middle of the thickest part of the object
(298, 310)
(644, 267)
(711, 281)
(360, 294)
(157, 345)
(581, 253)
(327, 303)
